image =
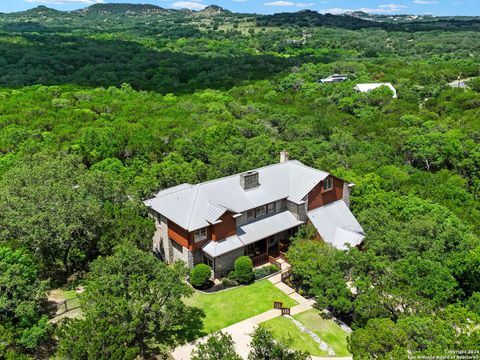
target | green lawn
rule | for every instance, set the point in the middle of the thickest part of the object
(327, 330)
(231, 306)
(282, 328)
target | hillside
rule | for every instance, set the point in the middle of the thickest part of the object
(102, 108)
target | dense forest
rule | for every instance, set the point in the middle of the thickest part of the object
(102, 107)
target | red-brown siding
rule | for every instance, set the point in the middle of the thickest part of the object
(317, 197)
(178, 234)
(226, 228)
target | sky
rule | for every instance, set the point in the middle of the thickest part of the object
(418, 7)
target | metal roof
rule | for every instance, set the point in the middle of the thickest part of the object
(337, 225)
(196, 206)
(217, 248)
(271, 225)
(252, 232)
(371, 86)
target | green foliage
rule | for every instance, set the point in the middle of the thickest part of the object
(322, 272)
(265, 271)
(265, 347)
(200, 275)
(244, 269)
(132, 307)
(450, 328)
(219, 346)
(23, 326)
(195, 96)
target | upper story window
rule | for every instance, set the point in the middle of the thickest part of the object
(251, 214)
(328, 184)
(271, 208)
(261, 210)
(200, 234)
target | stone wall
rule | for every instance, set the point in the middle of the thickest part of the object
(224, 263)
(181, 253)
(346, 193)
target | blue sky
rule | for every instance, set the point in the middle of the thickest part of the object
(435, 7)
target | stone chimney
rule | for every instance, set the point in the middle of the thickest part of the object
(249, 180)
(283, 156)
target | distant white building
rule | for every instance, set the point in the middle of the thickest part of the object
(368, 87)
(334, 78)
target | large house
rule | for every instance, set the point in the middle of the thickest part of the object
(252, 213)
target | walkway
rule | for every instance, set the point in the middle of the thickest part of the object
(241, 331)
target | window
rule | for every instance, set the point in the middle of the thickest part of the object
(328, 184)
(251, 214)
(207, 260)
(261, 210)
(271, 208)
(200, 234)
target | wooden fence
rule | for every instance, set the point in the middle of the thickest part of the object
(62, 307)
(279, 305)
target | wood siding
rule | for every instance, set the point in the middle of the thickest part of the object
(178, 234)
(226, 228)
(318, 197)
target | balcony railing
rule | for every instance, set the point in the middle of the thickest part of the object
(260, 259)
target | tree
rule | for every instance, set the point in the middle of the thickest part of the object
(44, 208)
(200, 275)
(264, 347)
(23, 325)
(379, 338)
(132, 307)
(320, 269)
(244, 269)
(219, 346)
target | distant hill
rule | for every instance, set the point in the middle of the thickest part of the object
(214, 10)
(122, 9)
(42, 10)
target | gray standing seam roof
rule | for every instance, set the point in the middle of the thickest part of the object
(337, 225)
(252, 232)
(196, 206)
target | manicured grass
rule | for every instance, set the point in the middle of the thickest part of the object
(283, 328)
(327, 330)
(228, 307)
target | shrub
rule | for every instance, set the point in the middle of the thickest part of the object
(244, 269)
(227, 282)
(200, 275)
(265, 271)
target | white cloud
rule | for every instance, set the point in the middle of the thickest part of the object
(240, 1)
(64, 2)
(287, 3)
(191, 5)
(380, 9)
(425, 2)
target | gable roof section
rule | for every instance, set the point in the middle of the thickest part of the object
(337, 225)
(371, 86)
(195, 206)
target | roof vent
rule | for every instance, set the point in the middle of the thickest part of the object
(249, 180)
(284, 156)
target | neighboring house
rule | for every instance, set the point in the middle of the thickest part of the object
(334, 78)
(460, 84)
(252, 213)
(368, 87)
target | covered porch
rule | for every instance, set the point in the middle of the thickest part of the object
(269, 249)
(268, 238)
(263, 240)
